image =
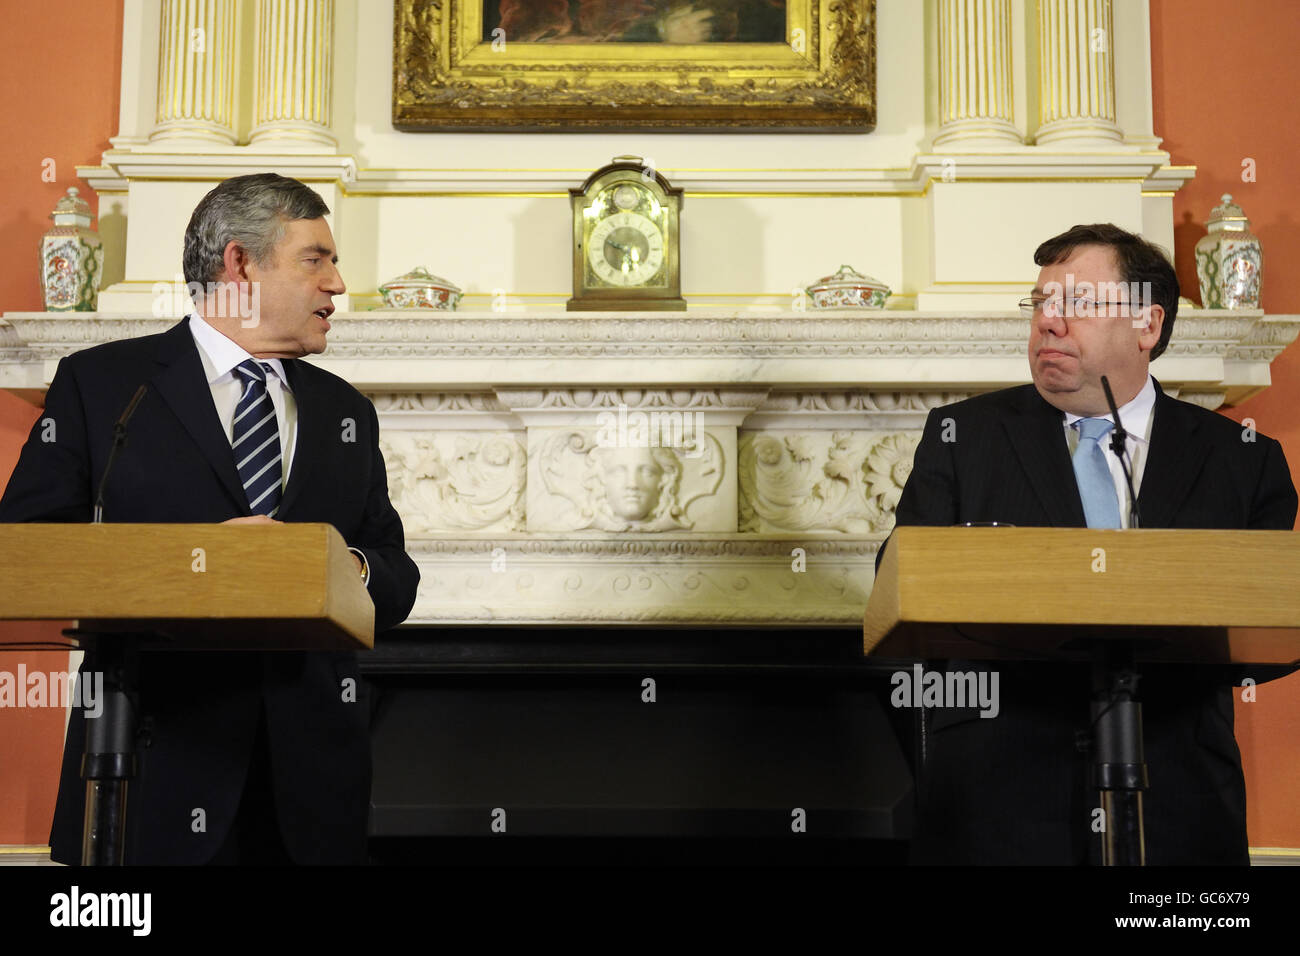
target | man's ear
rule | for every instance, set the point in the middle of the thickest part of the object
(236, 260)
(1149, 323)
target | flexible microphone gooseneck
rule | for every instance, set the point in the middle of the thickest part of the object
(119, 439)
(1118, 444)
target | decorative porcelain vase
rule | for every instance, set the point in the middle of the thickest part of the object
(419, 289)
(848, 289)
(72, 258)
(1229, 262)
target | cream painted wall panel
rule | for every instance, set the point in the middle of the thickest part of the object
(346, 44)
(154, 254)
(138, 99)
(731, 246)
(772, 246)
(1158, 224)
(364, 111)
(112, 227)
(1027, 57)
(1132, 42)
(915, 246)
(519, 244)
(1020, 80)
(987, 232)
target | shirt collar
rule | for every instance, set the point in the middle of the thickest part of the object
(1136, 414)
(221, 354)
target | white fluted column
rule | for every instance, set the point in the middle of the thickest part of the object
(1076, 55)
(196, 72)
(293, 87)
(975, 83)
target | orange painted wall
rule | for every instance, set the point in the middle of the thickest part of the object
(30, 738)
(1226, 77)
(60, 79)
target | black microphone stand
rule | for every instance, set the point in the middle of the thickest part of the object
(109, 760)
(1119, 769)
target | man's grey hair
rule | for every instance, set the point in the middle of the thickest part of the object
(251, 210)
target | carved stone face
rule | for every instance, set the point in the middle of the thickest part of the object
(633, 482)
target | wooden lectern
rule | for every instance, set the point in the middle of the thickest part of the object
(201, 587)
(1115, 598)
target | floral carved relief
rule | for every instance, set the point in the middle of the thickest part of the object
(846, 481)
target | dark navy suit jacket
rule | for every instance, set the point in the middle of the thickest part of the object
(1014, 789)
(199, 712)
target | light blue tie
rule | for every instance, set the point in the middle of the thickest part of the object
(1096, 487)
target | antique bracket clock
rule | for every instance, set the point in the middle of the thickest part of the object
(626, 240)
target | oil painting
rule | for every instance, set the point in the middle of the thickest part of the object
(611, 65)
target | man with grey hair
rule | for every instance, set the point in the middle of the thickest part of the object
(242, 757)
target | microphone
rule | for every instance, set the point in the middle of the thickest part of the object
(1118, 444)
(119, 439)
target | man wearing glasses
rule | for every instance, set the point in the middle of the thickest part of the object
(1015, 789)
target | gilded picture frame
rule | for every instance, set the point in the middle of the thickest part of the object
(453, 72)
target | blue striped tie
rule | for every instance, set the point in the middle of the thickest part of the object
(1096, 486)
(255, 439)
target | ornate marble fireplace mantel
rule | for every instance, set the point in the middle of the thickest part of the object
(705, 467)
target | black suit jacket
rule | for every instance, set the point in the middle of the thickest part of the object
(1010, 789)
(200, 711)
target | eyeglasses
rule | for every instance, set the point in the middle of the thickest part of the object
(1076, 308)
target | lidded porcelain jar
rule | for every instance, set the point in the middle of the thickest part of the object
(72, 258)
(420, 289)
(1229, 261)
(848, 289)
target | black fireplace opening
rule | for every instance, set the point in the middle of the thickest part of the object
(634, 745)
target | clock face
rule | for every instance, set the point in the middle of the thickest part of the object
(626, 246)
(626, 241)
(626, 249)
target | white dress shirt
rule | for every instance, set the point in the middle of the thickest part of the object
(220, 355)
(1136, 416)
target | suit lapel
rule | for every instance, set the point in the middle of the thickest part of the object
(183, 385)
(1037, 434)
(314, 430)
(1174, 461)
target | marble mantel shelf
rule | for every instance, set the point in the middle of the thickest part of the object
(802, 426)
(1215, 355)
